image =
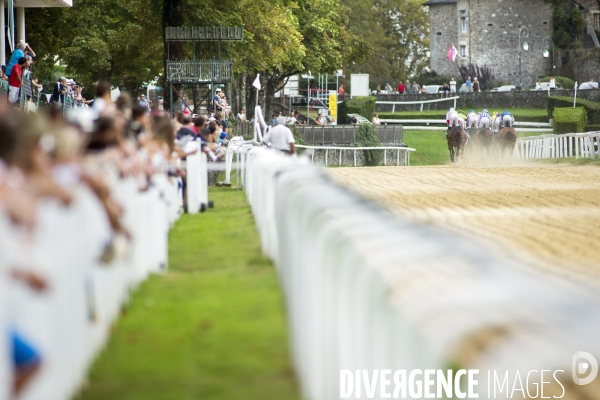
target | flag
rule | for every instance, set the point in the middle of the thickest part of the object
(421, 35)
(450, 53)
(256, 82)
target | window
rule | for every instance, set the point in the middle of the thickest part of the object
(596, 20)
(463, 51)
(463, 21)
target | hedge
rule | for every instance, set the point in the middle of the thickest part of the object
(568, 120)
(363, 106)
(591, 128)
(367, 137)
(592, 108)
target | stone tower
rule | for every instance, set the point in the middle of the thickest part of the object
(486, 32)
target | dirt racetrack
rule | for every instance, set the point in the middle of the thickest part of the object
(545, 215)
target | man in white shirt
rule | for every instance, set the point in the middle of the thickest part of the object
(552, 84)
(452, 86)
(280, 137)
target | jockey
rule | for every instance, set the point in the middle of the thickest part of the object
(472, 119)
(461, 119)
(507, 119)
(496, 120)
(484, 119)
(452, 118)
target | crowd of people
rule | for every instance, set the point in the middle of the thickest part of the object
(19, 68)
(45, 156)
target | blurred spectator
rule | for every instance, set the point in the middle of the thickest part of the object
(476, 88)
(416, 88)
(16, 55)
(60, 89)
(242, 115)
(353, 120)
(376, 120)
(378, 89)
(445, 90)
(184, 102)
(143, 102)
(407, 87)
(341, 93)
(452, 86)
(280, 138)
(329, 118)
(15, 80)
(388, 90)
(401, 88)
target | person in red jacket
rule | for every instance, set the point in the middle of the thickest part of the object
(16, 80)
(401, 88)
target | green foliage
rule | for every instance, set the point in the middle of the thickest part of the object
(120, 41)
(367, 137)
(567, 120)
(591, 128)
(592, 108)
(568, 22)
(363, 106)
(566, 83)
(390, 27)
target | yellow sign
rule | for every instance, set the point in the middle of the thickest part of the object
(333, 104)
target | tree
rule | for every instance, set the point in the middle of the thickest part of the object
(101, 39)
(392, 28)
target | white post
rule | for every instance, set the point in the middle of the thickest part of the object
(575, 95)
(2, 34)
(20, 24)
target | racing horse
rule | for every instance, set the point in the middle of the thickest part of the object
(457, 140)
(482, 138)
(506, 140)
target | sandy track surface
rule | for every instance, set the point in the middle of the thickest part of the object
(545, 215)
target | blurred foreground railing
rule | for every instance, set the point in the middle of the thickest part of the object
(366, 290)
(70, 322)
(584, 145)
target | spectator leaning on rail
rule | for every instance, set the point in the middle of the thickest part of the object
(16, 55)
(280, 138)
(60, 89)
(16, 80)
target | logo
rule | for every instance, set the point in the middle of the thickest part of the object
(581, 368)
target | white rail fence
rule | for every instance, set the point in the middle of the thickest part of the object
(578, 145)
(394, 103)
(340, 150)
(365, 290)
(70, 322)
(539, 127)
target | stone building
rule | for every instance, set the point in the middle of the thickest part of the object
(486, 33)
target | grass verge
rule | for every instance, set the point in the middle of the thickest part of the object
(213, 327)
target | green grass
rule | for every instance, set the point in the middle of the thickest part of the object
(520, 114)
(432, 147)
(213, 327)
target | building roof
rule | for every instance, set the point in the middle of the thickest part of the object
(436, 2)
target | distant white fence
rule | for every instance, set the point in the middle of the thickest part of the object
(584, 145)
(340, 150)
(71, 321)
(540, 127)
(394, 103)
(365, 290)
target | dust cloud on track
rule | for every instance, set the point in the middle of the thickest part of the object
(547, 216)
